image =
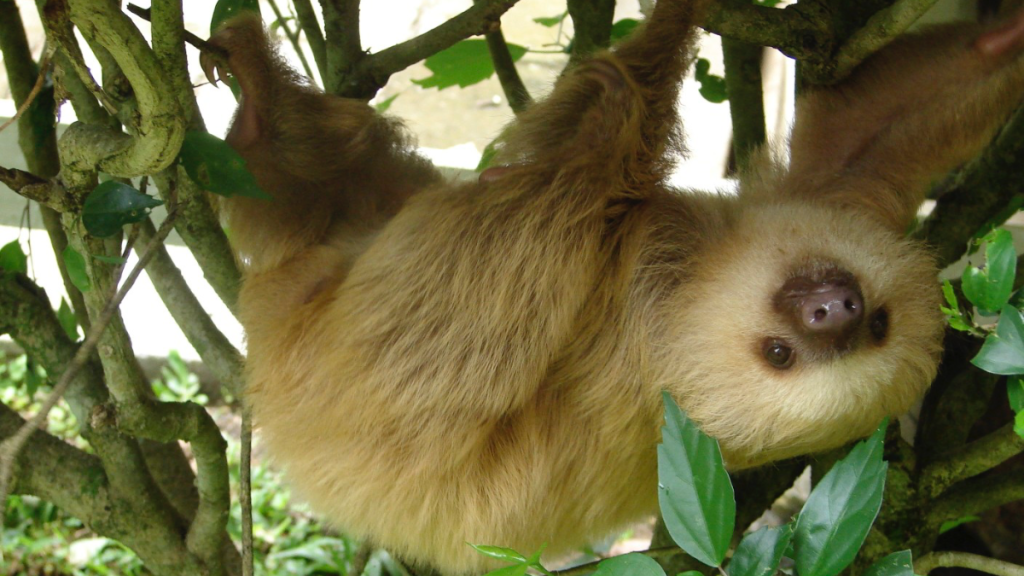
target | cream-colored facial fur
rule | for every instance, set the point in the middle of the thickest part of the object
(437, 363)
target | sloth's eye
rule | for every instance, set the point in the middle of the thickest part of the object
(879, 325)
(777, 353)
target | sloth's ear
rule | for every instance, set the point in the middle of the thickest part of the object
(914, 111)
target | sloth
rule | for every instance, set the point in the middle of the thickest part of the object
(436, 363)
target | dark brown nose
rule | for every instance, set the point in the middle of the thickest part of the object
(831, 310)
(825, 309)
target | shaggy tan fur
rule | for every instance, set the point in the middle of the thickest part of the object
(438, 363)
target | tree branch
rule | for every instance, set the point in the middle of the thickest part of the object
(791, 30)
(511, 84)
(344, 48)
(982, 190)
(880, 29)
(746, 97)
(592, 24)
(925, 564)
(971, 459)
(976, 495)
(374, 70)
(213, 347)
(315, 37)
(293, 37)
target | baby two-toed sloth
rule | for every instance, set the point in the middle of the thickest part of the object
(436, 363)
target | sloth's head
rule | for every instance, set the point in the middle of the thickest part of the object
(807, 327)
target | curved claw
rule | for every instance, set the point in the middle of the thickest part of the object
(212, 67)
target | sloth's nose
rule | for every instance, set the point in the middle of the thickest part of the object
(831, 312)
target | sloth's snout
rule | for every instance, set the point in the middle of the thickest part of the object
(832, 311)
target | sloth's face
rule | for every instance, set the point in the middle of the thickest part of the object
(809, 327)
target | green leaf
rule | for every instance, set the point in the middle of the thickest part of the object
(513, 570)
(75, 265)
(551, 21)
(840, 510)
(767, 3)
(215, 166)
(712, 87)
(111, 205)
(953, 314)
(632, 564)
(225, 9)
(759, 553)
(383, 106)
(1015, 392)
(990, 288)
(1003, 352)
(691, 573)
(896, 564)
(694, 492)
(950, 524)
(68, 320)
(32, 379)
(464, 64)
(1018, 424)
(13, 258)
(623, 28)
(499, 553)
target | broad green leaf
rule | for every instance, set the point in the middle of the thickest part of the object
(68, 320)
(950, 524)
(990, 288)
(1015, 392)
(513, 570)
(840, 510)
(1018, 424)
(499, 553)
(215, 166)
(896, 564)
(632, 564)
(953, 314)
(384, 105)
(694, 492)
(623, 28)
(551, 21)
(13, 258)
(75, 265)
(712, 87)
(759, 553)
(1003, 352)
(111, 205)
(464, 64)
(225, 9)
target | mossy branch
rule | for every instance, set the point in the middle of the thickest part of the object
(879, 30)
(344, 48)
(971, 459)
(975, 496)
(925, 564)
(592, 26)
(314, 36)
(746, 97)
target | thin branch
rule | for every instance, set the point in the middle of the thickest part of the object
(971, 459)
(213, 347)
(314, 36)
(879, 30)
(146, 14)
(511, 84)
(374, 70)
(933, 560)
(245, 497)
(293, 37)
(44, 69)
(11, 446)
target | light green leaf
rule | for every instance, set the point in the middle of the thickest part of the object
(694, 492)
(623, 28)
(950, 524)
(464, 64)
(499, 553)
(551, 21)
(1003, 352)
(759, 553)
(75, 265)
(840, 510)
(111, 205)
(384, 105)
(896, 564)
(13, 258)
(712, 87)
(216, 167)
(953, 314)
(990, 288)
(629, 565)
(68, 320)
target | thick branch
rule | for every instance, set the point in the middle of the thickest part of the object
(971, 459)
(374, 70)
(344, 49)
(746, 97)
(789, 30)
(592, 25)
(982, 191)
(213, 347)
(929, 562)
(977, 495)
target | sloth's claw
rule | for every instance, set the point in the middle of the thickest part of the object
(211, 68)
